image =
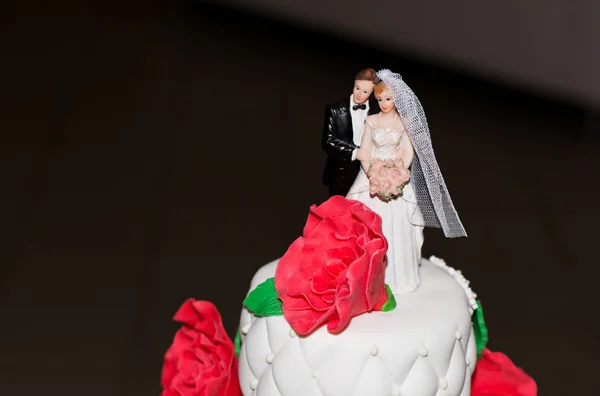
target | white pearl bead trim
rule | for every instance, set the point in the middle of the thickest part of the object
(459, 278)
(443, 383)
(374, 350)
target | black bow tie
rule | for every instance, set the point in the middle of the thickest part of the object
(359, 106)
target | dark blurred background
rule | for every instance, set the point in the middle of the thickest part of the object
(156, 151)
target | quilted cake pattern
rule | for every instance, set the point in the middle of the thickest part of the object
(424, 347)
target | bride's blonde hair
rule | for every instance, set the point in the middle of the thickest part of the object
(379, 88)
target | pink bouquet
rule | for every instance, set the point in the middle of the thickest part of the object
(387, 178)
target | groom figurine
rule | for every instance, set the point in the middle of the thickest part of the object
(342, 133)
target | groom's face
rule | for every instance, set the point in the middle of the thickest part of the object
(362, 90)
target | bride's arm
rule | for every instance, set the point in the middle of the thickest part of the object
(366, 143)
(405, 151)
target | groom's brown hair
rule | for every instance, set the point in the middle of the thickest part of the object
(369, 75)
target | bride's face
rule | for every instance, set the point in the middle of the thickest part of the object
(362, 90)
(386, 103)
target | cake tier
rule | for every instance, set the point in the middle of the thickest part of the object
(425, 347)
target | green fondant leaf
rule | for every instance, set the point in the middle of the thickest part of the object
(481, 332)
(391, 301)
(237, 344)
(264, 301)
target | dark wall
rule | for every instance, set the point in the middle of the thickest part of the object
(545, 45)
(153, 153)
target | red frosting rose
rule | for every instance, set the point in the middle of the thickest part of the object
(496, 375)
(201, 360)
(335, 270)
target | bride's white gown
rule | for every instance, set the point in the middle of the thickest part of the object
(403, 221)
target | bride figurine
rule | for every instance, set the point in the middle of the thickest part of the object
(400, 133)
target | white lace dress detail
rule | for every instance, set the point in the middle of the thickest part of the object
(386, 141)
(402, 219)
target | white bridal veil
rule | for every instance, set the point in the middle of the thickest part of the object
(432, 195)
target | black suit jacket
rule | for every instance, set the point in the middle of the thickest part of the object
(338, 141)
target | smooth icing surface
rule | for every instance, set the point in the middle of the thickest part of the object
(424, 347)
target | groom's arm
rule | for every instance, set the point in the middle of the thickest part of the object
(331, 142)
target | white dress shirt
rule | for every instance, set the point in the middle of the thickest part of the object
(358, 123)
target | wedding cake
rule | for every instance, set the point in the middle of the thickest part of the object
(424, 345)
(351, 308)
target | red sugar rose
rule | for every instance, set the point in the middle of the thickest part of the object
(336, 270)
(201, 360)
(496, 375)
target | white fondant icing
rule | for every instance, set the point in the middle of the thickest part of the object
(425, 320)
(456, 375)
(471, 354)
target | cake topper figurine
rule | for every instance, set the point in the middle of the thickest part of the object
(400, 179)
(342, 132)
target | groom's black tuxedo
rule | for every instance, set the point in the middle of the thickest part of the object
(338, 142)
